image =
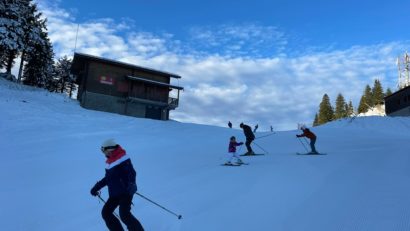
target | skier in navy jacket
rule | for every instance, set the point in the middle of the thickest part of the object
(249, 138)
(120, 178)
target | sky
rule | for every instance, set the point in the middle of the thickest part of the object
(259, 62)
(49, 167)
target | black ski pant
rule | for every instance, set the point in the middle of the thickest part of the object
(248, 144)
(112, 222)
(312, 144)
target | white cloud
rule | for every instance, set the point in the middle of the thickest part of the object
(245, 40)
(229, 83)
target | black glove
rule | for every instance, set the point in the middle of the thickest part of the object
(95, 191)
(297, 136)
(240, 143)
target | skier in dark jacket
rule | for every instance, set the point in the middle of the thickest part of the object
(249, 138)
(120, 177)
(307, 133)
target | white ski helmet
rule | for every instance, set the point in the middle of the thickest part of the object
(109, 144)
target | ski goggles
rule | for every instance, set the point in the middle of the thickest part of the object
(103, 149)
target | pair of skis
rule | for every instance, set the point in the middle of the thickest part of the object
(257, 154)
(311, 154)
(243, 163)
(235, 164)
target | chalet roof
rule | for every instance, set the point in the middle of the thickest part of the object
(153, 82)
(81, 57)
(397, 92)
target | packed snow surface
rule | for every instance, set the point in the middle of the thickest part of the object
(51, 158)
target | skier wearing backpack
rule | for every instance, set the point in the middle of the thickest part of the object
(120, 178)
(307, 133)
(249, 138)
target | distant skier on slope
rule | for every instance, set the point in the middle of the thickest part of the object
(229, 124)
(249, 138)
(307, 133)
(256, 128)
(232, 151)
(120, 177)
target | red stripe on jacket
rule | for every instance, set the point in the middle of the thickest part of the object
(115, 155)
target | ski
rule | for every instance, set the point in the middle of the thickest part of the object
(231, 165)
(257, 154)
(310, 154)
(236, 164)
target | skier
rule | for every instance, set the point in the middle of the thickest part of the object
(120, 177)
(256, 128)
(232, 151)
(249, 138)
(311, 136)
(229, 124)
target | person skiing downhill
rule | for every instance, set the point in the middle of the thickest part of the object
(307, 133)
(249, 138)
(232, 151)
(120, 178)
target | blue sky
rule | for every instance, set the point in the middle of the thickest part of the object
(259, 62)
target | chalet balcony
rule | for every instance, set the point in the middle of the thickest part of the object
(173, 102)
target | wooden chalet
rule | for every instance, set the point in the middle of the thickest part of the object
(398, 103)
(117, 87)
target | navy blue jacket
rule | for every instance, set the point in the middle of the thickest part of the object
(120, 179)
(248, 132)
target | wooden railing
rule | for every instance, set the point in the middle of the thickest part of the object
(173, 102)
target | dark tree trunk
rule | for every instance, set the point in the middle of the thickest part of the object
(10, 60)
(21, 67)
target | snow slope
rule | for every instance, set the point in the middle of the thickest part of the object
(51, 159)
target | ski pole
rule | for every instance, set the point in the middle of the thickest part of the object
(115, 214)
(264, 136)
(303, 144)
(261, 148)
(179, 216)
(306, 141)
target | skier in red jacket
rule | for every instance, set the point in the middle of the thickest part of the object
(307, 133)
(120, 178)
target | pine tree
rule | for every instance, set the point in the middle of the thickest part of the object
(350, 109)
(39, 67)
(39, 55)
(340, 110)
(377, 93)
(33, 28)
(15, 16)
(316, 120)
(325, 110)
(11, 31)
(388, 92)
(368, 96)
(366, 101)
(363, 107)
(65, 82)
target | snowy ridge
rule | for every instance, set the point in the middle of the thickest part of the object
(52, 159)
(373, 124)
